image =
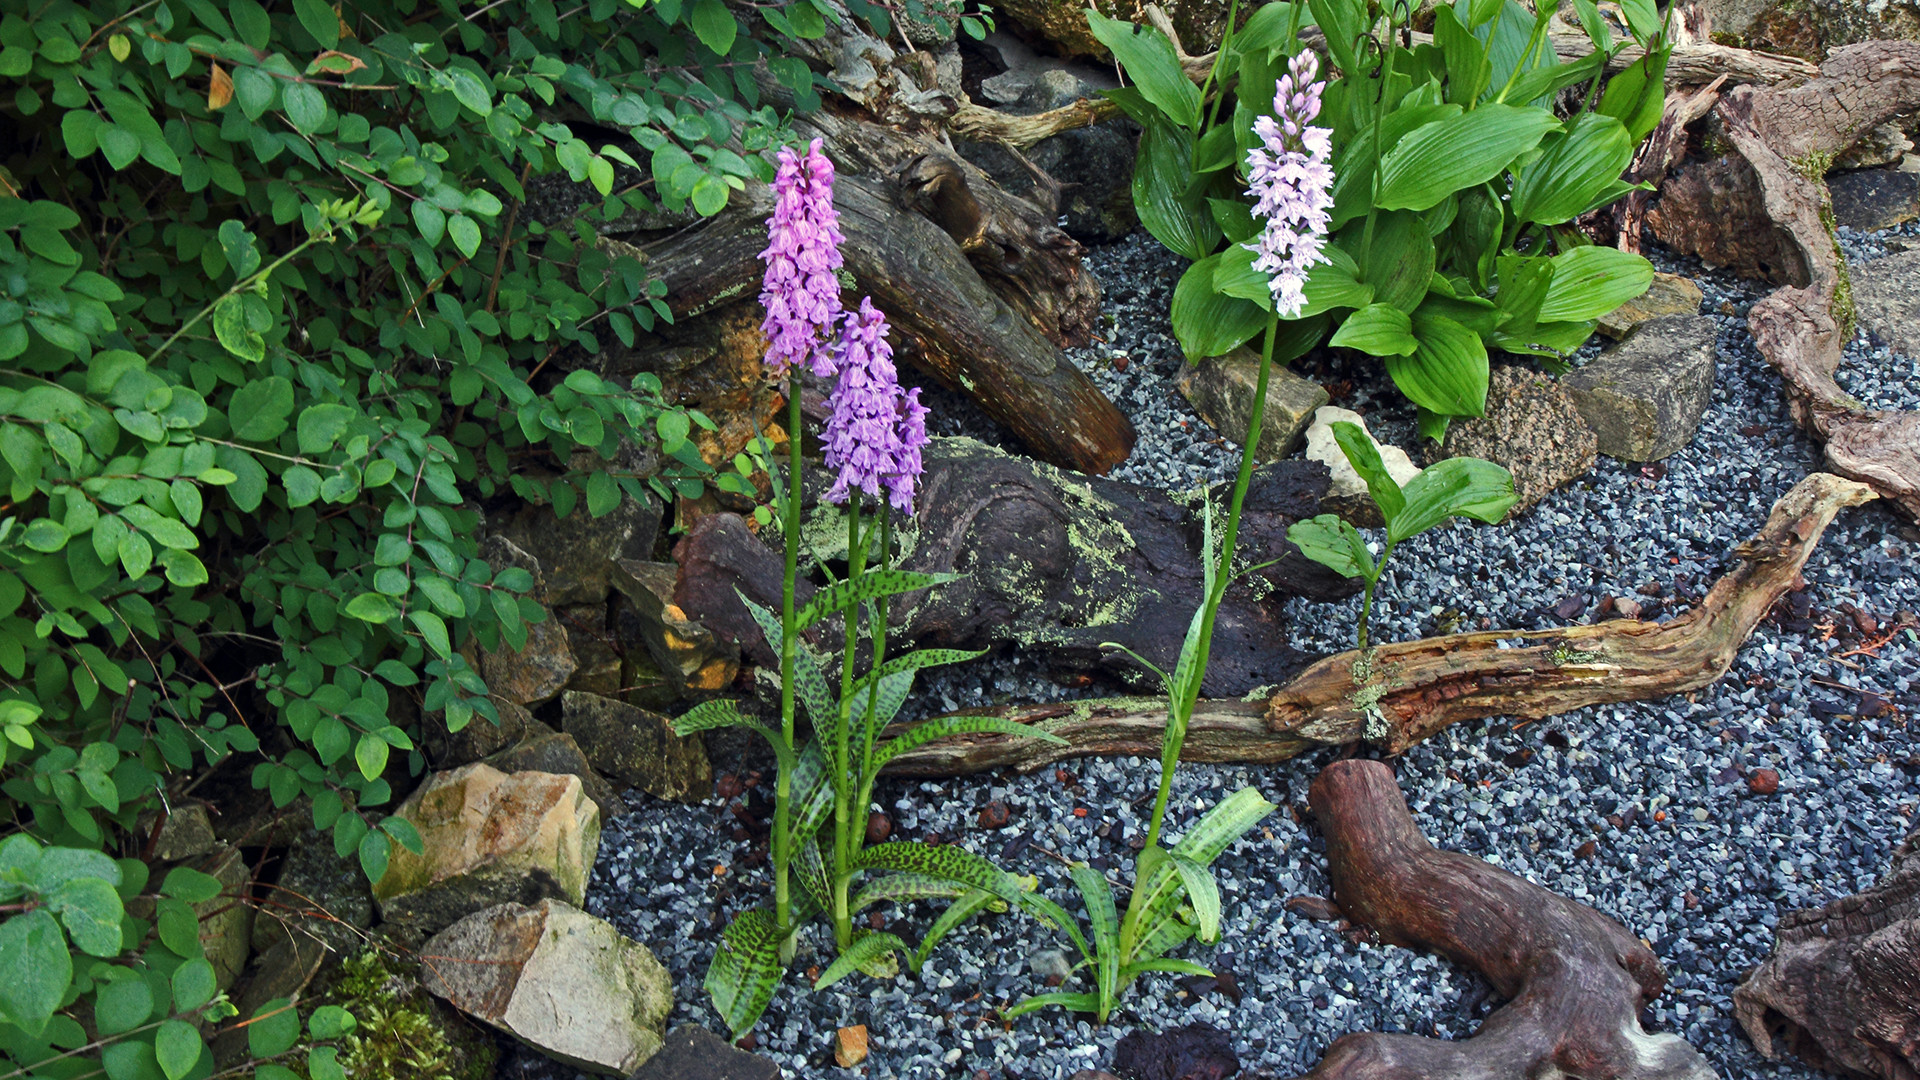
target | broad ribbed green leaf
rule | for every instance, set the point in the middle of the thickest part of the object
(1208, 322)
(1451, 155)
(1377, 330)
(1588, 282)
(1448, 373)
(1164, 193)
(1563, 183)
(1333, 543)
(1364, 455)
(1399, 262)
(35, 968)
(1149, 60)
(1456, 487)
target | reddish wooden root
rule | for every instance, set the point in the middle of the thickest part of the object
(1575, 981)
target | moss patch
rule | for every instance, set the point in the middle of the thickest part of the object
(401, 1031)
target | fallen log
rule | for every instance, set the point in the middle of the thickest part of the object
(945, 318)
(1575, 981)
(1764, 209)
(1406, 692)
(1054, 565)
(1841, 990)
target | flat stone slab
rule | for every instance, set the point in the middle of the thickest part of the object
(556, 978)
(636, 747)
(1670, 294)
(1873, 199)
(1221, 388)
(1886, 300)
(1644, 397)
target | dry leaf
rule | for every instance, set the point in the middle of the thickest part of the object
(219, 88)
(346, 32)
(335, 62)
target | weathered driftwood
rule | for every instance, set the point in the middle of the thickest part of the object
(949, 321)
(1842, 988)
(1414, 689)
(1054, 565)
(1653, 159)
(1575, 981)
(1764, 209)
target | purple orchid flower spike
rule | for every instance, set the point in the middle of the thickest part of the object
(1290, 176)
(874, 436)
(800, 291)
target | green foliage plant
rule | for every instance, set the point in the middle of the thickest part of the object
(1455, 487)
(1457, 184)
(278, 327)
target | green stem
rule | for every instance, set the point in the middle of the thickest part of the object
(1223, 574)
(845, 785)
(1213, 73)
(781, 852)
(1379, 151)
(237, 288)
(877, 628)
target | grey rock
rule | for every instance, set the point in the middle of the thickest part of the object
(1883, 145)
(1047, 962)
(575, 552)
(552, 751)
(1644, 397)
(593, 649)
(1221, 390)
(187, 833)
(538, 670)
(637, 747)
(319, 897)
(1093, 165)
(226, 923)
(1872, 199)
(1531, 428)
(481, 737)
(682, 649)
(559, 980)
(1886, 300)
(694, 1053)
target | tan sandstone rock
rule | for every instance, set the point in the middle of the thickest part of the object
(487, 838)
(557, 979)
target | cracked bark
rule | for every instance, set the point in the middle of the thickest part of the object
(1419, 688)
(1842, 987)
(1764, 210)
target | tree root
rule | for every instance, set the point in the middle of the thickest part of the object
(1575, 981)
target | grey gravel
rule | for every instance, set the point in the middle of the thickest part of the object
(1525, 797)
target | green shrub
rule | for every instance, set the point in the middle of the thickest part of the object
(273, 328)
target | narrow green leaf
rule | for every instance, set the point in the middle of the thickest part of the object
(1204, 894)
(867, 949)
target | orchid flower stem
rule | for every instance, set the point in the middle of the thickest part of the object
(1189, 694)
(877, 629)
(781, 849)
(846, 786)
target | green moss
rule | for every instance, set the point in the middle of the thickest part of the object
(1564, 655)
(398, 1034)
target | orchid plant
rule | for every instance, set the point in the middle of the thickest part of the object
(1450, 230)
(872, 443)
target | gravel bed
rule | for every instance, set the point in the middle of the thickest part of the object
(1642, 810)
